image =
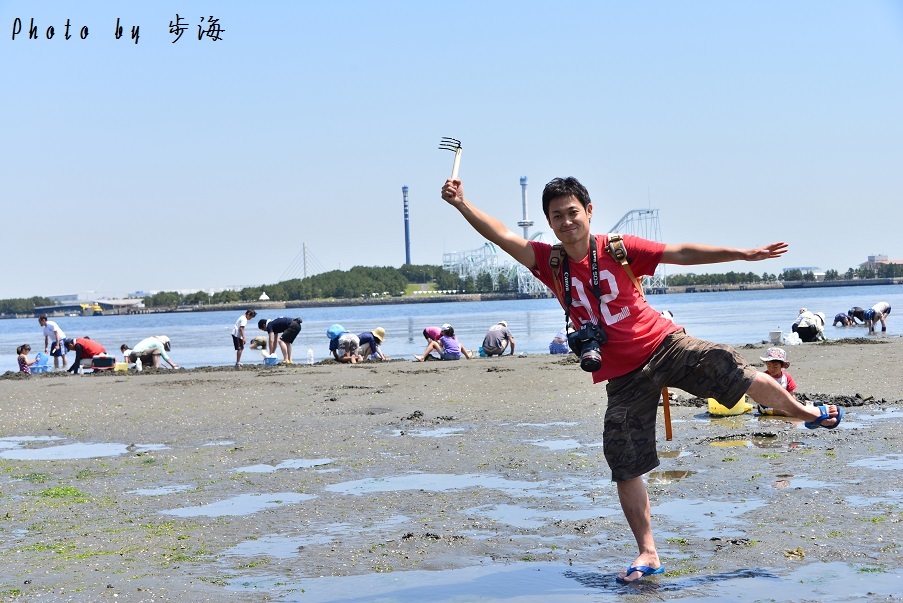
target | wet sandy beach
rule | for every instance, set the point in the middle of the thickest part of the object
(481, 480)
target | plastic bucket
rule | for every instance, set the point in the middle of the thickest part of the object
(270, 361)
(776, 336)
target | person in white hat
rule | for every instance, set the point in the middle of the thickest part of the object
(497, 339)
(775, 360)
(150, 351)
(810, 326)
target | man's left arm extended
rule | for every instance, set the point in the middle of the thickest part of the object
(691, 254)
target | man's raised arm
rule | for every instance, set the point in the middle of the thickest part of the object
(490, 228)
(691, 254)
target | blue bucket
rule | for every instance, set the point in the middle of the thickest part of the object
(270, 361)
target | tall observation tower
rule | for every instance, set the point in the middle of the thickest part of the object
(526, 223)
(407, 230)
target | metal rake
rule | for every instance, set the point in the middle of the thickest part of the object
(452, 144)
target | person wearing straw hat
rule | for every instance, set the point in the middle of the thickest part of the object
(370, 342)
(628, 343)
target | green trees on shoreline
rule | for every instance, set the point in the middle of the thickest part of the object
(375, 281)
(359, 282)
(23, 305)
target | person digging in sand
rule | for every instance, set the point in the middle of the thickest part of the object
(644, 351)
(447, 346)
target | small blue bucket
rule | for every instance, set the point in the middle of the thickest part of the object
(270, 361)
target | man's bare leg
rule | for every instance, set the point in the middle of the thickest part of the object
(635, 505)
(767, 391)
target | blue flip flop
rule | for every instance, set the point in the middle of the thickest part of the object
(823, 408)
(644, 570)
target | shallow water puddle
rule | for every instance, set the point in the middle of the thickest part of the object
(161, 491)
(285, 547)
(523, 517)
(673, 454)
(243, 504)
(709, 517)
(796, 481)
(731, 422)
(888, 462)
(436, 482)
(287, 464)
(557, 444)
(523, 583)
(667, 477)
(732, 444)
(881, 413)
(892, 497)
(544, 583)
(553, 424)
(86, 450)
(220, 443)
(439, 432)
(359, 528)
(280, 547)
(19, 442)
(765, 442)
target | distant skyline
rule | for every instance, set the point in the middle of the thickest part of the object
(209, 163)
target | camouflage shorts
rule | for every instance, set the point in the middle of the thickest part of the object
(701, 368)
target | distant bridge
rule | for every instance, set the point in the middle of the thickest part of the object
(93, 308)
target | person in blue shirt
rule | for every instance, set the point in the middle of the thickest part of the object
(370, 342)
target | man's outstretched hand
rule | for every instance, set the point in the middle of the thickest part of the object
(775, 250)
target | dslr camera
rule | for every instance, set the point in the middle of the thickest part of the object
(585, 342)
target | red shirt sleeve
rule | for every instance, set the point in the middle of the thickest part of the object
(791, 384)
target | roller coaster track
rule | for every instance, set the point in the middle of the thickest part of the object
(486, 259)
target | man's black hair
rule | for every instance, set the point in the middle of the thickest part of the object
(564, 187)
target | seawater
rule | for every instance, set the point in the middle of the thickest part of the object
(203, 338)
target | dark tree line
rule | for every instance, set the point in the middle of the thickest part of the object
(795, 274)
(23, 305)
(359, 282)
(373, 281)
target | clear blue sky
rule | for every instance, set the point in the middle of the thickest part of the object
(202, 164)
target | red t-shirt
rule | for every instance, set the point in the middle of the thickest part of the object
(634, 328)
(91, 348)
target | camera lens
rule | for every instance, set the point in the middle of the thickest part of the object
(591, 359)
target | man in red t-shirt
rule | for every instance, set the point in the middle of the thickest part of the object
(644, 351)
(84, 348)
